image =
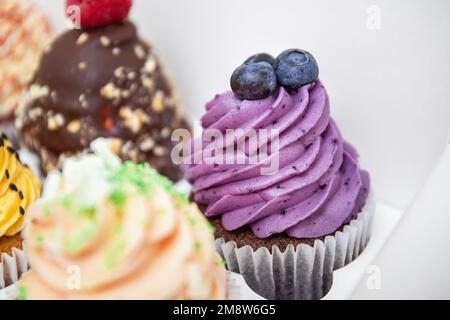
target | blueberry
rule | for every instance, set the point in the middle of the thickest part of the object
(254, 81)
(296, 68)
(261, 57)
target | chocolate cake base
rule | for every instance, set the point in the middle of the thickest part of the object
(244, 236)
(8, 243)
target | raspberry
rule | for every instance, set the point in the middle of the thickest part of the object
(95, 13)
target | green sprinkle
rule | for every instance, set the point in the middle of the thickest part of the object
(88, 212)
(114, 253)
(192, 221)
(210, 227)
(66, 202)
(79, 240)
(197, 246)
(40, 239)
(117, 229)
(118, 198)
(220, 262)
(183, 198)
(47, 211)
(23, 295)
(143, 178)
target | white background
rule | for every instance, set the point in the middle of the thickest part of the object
(389, 88)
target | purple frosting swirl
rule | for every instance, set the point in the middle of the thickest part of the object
(319, 186)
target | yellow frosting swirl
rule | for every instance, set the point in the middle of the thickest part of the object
(18, 189)
(140, 240)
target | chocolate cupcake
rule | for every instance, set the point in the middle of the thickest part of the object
(286, 230)
(101, 82)
(129, 233)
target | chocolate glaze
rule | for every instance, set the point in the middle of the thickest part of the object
(104, 82)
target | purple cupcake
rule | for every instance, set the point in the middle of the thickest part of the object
(285, 231)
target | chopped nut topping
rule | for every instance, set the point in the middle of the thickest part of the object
(139, 51)
(110, 91)
(148, 83)
(147, 144)
(125, 94)
(36, 91)
(35, 113)
(158, 102)
(159, 151)
(55, 122)
(150, 65)
(133, 87)
(116, 51)
(82, 65)
(133, 155)
(126, 148)
(54, 95)
(165, 132)
(74, 126)
(82, 39)
(133, 119)
(119, 72)
(116, 144)
(82, 100)
(104, 40)
(131, 76)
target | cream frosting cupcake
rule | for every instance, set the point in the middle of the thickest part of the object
(111, 230)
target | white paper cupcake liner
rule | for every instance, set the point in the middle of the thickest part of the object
(12, 267)
(304, 272)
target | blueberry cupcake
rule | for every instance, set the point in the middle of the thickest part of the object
(24, 34)
(122, 232)
(19, 187)
(285, 231)
(101, 80)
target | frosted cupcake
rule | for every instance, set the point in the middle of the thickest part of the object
(111, 230)
(18, 189)
(285, 232)
(101, 80)
(24, 34)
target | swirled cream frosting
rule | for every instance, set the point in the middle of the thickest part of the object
(319, 185)
(19, 187)
(111, 230)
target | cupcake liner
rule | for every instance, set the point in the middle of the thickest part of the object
(12, 267)
(304, 272)
(9, 293)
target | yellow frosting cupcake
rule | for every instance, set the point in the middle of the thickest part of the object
(18, 189)
(110, 230)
